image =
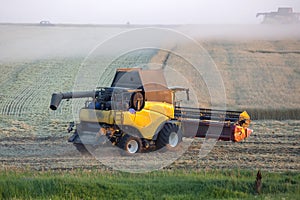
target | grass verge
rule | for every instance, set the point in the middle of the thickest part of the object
(94, 184)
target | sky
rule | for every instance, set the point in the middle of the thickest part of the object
(139, 11)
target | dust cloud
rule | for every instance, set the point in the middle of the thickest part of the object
(243, 32)
(30, 42)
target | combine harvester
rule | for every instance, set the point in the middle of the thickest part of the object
(138, 113)
(284, 15)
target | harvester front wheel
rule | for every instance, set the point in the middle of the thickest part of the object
(130, 144)
(170, 136)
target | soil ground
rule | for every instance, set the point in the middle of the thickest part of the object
(258, 73)
(274, 146)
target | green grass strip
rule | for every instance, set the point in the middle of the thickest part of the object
(94, 184)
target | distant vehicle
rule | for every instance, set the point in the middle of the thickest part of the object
(46, 23)
(284, 15)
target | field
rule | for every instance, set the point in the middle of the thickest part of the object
(260, 73)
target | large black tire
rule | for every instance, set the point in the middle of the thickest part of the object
(170, 137)
(130, 144)
(85, 150)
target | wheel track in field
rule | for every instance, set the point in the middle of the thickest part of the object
(11, 79)
(27, 99)
(31, 99)
(24, 99)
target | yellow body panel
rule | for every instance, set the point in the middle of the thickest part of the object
(147, 121)
(163, 108)
(91, 115)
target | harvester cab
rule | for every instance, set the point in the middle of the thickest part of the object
(139, 112)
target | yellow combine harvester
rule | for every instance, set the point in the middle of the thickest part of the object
(139, 113)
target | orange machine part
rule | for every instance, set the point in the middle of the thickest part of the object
(241, 133)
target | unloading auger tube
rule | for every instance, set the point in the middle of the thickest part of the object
(57, 97)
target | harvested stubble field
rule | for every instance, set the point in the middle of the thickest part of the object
(259, 75)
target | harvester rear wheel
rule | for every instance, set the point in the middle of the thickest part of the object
(130, 144)
(170, 136)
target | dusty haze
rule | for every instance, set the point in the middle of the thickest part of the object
(18, 42)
